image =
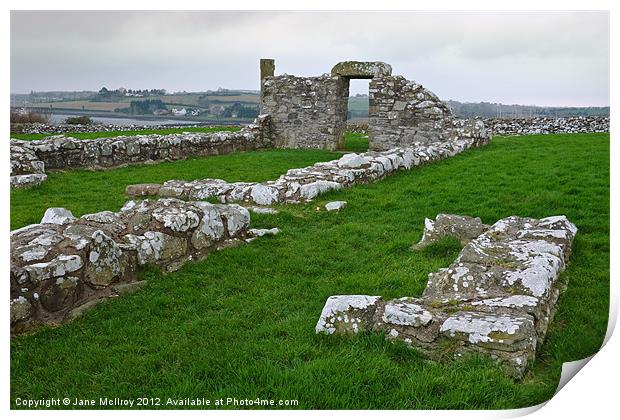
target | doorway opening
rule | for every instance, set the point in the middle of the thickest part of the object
(356, 135)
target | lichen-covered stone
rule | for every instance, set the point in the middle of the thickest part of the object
(141, 190)
(59, 266)
(463, 228)
(361, 69)
(347, 314)
(58, 269)
(57, 216)
(210, 229)
(498, 332)
(405, 313)
(21, 309)
(305, 184)
(30, 158)
(104, 263)
(497, 298)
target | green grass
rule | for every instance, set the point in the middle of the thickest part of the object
(241, 322)
(356, 142)
(101, 134)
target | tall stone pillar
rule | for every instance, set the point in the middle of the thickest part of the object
(267, 68)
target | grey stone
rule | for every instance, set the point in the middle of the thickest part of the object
(347, 314)
(463, 228)
(497, 298)
(141, 190)
(104, 263)
(57, 216)
(335, 205)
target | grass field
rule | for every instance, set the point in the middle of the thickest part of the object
(241, 323)
(103, 134)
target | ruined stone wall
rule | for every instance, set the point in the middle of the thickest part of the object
(547, 125)
(523, 126)
(29, 159)
(306, 112)
(497, 298)
(64, 265)
(305, 184)
(403, 112)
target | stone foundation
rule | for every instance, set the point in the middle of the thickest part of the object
(29, 159)
(304, 184)
(66, 264)
(497, 298)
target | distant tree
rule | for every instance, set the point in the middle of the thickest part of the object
(146, 106)
(238, 110)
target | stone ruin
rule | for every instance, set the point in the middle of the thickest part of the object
(311, 112)
(65, 265)
(497, 298)
(304, 184)
(296, 112)
(30, 159)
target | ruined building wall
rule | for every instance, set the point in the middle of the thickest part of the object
(311, 112)
(306, 112)
(402, 112)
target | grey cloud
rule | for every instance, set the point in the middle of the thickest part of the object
(514, 57)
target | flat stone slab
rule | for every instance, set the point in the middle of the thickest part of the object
(497, 298)
(361, 69)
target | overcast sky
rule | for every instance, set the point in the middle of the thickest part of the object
(542, 58)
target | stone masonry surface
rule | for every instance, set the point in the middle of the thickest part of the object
(402, 112)
(29, 159)
(497, 298)
(65, 264)
(304, 184)
(546, 125)
(306, 112)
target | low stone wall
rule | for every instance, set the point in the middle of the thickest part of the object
(545, 125)
(305, 184)
(51, 129)
(59, 152)
(525, 126)
(358, 127)
(65, 265)
(497, 298)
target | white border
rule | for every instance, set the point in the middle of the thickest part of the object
(591, 393)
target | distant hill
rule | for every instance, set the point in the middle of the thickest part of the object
(211, 103)
(358, 109)
(494, 110)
